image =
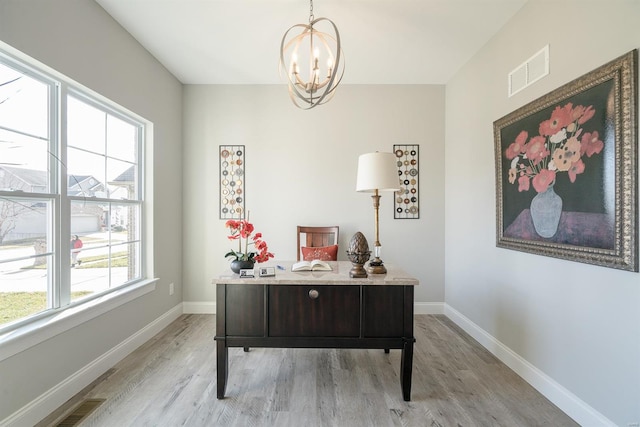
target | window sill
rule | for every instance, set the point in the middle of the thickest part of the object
(18, 340)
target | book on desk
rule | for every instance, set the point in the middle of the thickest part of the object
(315, 265)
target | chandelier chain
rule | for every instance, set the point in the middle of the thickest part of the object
(311, 17)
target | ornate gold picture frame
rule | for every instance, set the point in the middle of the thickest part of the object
(566, 170)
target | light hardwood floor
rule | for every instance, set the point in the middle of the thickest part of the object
(171, 381)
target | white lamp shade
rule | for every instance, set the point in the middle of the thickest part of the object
(377, 171)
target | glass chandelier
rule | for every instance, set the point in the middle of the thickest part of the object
(312, 61)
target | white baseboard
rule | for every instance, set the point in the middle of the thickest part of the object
(428, 308)
(573, 406)
(53, 398)
(199, 307)
(196, 307)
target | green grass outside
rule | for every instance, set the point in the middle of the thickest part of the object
(16, 305)
(118, 259)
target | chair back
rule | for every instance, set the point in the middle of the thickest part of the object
(316, 237)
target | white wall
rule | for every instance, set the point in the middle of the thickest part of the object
(578, 324)
(79, 39)
(301, 170)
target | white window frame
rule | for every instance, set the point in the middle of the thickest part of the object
(25, 333)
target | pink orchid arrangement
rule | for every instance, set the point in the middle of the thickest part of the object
(558, 147)
(243, 229)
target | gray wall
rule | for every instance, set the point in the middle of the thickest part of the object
(578, 324)
(79, 39)
(301, 170)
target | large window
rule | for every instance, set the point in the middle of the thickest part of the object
(70, 194)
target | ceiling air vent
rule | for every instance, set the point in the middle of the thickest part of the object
(532, 70)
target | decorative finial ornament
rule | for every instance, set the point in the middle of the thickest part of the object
(358, 254)
(312, 62)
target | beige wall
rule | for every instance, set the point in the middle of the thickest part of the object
(301, 170)
(576, 323)
(77, 38)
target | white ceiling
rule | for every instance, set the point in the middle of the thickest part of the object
(384, 41)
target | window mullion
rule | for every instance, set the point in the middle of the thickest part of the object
(62, 287)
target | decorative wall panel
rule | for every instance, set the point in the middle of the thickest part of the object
(406, 202)
(232, 181)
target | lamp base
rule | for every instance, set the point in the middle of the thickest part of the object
(376, 267)
(357, 271)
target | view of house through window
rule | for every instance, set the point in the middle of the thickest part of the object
(70, 206)
(102, 163)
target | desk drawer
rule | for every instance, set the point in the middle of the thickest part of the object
(314, 311)
(383, 312)
(245, 310)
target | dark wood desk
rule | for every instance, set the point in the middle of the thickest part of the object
(326, 309)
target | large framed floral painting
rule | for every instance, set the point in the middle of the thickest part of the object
(566, 170)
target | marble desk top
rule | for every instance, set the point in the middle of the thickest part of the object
(338, 276)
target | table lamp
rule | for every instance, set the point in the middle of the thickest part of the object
(377, 172)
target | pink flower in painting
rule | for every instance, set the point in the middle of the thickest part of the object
(575, 169)
(543, 179)
(591, 144)
(581, 114)
(560, 118)
(564, 156)
(572, 149)
(517, 146)
(576, 112)
(586, 115)
(559, 147)
(536, 150)
(523, 183)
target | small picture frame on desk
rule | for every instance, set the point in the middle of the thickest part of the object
(246, 273)
(266, 271)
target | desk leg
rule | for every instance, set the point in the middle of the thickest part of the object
(222, 366)
(406, 368)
